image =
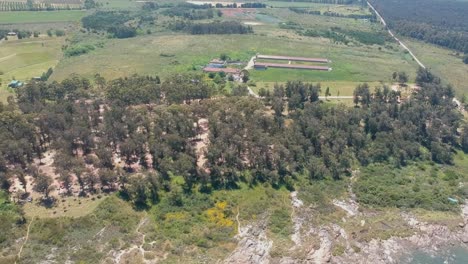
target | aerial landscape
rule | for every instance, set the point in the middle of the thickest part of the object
(257, 131)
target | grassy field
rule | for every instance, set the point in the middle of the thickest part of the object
(27, 58)
(164, 54)
(64, 207)
(443, 62)
(19, 17)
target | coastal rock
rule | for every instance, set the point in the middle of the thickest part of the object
(253, 246)
(464, 237)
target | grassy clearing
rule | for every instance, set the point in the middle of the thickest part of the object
(111, 225)
(443, 62)
(27, 58)
(19, 17)
(4, 93)
(64, 207)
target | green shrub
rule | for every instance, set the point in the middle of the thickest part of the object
(78, 50)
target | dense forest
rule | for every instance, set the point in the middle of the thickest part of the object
(442, 23)
(154, 125)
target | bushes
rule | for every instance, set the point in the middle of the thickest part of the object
(122, 32)
(411, 187)
(112, 22)
(225, 27)
(102, 20)
(345, 36)
(78, 50)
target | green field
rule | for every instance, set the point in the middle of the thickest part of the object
(443, 62)
(168, 53)
(18, 17)
(27, 58)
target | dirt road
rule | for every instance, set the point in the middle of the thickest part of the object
(393, 36)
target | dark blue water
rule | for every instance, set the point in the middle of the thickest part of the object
(454, 255)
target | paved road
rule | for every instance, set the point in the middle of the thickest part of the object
(393, 36)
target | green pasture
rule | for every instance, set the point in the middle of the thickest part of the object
(27, 58)
(165, 54)
(19, 17)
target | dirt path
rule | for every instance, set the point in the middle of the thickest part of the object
(393, 35)
(202, 143)
(250, 64)
(25, 241)
(7, 57)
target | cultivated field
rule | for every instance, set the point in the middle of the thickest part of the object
(22, 5)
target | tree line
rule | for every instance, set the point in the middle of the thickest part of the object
(438, 22)
(217, 27)
(153, 126)
(190, 13)
(112, 22)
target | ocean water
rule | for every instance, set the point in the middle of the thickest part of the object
(453, 255)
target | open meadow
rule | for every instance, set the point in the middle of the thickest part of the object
(27, 58)
(168, 53)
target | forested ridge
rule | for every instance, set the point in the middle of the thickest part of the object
(153, 126)
(442, 23)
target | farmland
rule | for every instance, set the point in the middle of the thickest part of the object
(19, 17)
(164, 52)
(46, 5)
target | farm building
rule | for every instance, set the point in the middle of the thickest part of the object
(11, 34)
(15, 84)
(288, 58)
(263, 66)
(225, 70)
(215, 63)
(218, 61)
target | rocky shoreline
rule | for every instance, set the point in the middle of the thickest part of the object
(428, 238)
